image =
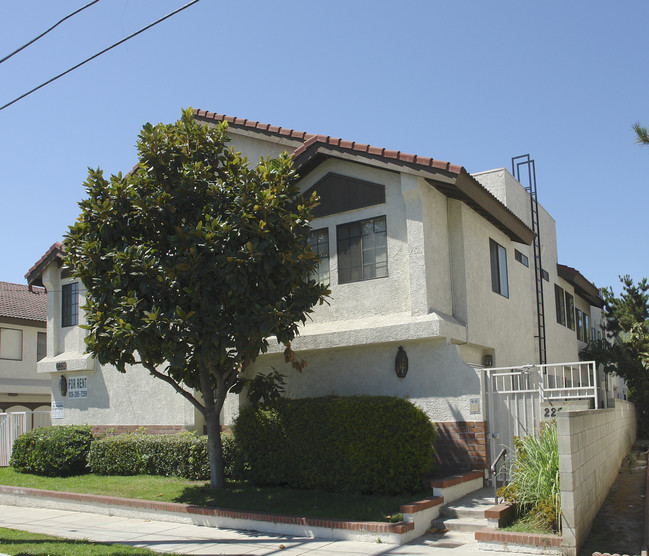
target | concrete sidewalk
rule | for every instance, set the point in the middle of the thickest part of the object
(193, 539)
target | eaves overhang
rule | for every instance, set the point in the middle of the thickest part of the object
(451, 180)
(34, 275)
(583, 288)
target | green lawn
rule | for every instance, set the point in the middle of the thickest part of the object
(21, 542)
(237, 496)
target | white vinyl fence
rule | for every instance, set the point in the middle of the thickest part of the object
(12, 425)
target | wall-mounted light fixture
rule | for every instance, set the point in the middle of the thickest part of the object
(63, 385)
(401, 363)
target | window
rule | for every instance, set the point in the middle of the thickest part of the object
(11, 344)
(362, 250)
(560, 303)
(318, 240)
(587, 334)
(498, 268)
(570, 311)
(580, 324)
(521, 258)
(70, 304)
(545, 275)
(41, 346)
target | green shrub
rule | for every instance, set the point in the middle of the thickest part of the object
(534, 479)
(182, 455)
(58, 451)
(365, 444)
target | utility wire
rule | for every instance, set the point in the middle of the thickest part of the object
(99, 53)
(46, 32)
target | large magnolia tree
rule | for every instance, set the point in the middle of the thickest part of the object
(192, 262)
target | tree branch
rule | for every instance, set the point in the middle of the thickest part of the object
(175, 386)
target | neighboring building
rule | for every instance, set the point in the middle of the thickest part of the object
(419, 254)
(23, 315)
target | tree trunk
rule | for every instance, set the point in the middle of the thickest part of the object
(215, 449)
(213, 424)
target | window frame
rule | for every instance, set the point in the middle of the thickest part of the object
(70, 304)
(521, 258)
(579, 323)
(353, 251)
(570, 311)
(21, 335)
(499, 274)
(41, 345)
(560, 304)
(318, 247)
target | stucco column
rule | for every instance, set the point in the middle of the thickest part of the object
(415, 243)
(52, 283)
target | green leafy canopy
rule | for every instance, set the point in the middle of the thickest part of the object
(193, 259)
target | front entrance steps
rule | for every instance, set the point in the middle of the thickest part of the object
(459, 520)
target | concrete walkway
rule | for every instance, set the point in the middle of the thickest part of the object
(193, 539)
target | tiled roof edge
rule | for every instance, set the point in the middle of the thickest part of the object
(310, 139)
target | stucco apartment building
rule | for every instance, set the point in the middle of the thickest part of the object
(23, 313)
(422, 258)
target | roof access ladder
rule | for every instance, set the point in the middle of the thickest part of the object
(524, 162)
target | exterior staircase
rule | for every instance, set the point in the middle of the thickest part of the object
(460, 519)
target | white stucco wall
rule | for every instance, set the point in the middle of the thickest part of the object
(19, 381)
(438, 380)
(133, 398)
(504, 324)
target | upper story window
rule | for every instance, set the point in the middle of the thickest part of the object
(362, 250)
(587, 333)
(521, 258)
(318, 240)
(560, 303)
(11, 344)
(41, 346)
(570, 311)
(499, 282)
(580, 324)
(70, 304)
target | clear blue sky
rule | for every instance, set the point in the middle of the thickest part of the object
(470, 82)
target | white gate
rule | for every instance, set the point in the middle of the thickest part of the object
(12, 425)
(520, 398)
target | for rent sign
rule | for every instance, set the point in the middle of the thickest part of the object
(77, 387)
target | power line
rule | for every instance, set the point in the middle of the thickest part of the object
(99, 54)
(46, 32)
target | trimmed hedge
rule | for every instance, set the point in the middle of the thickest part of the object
(58, 451)
(183, 455)
(366, 444)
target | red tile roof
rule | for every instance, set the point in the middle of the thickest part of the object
(310, 139)
(33, 275)
(18, 301)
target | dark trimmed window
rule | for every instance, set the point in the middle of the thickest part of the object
(570, 311)
(545, 275)
(70, 304)
(499, 283)
(318, 240)
(362, 250)
(560, 304)
(41, 345)
(587, 333)
(580, 324)
(521, 258)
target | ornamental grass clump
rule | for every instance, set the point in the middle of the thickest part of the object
(534, 479)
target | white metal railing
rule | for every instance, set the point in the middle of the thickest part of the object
(553, 381)
(13, 424)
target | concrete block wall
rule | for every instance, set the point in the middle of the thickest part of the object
(592, 444)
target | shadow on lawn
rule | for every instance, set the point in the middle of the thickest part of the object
(304, 503)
